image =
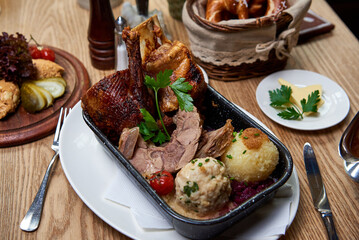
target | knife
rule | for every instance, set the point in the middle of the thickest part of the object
(319, 195)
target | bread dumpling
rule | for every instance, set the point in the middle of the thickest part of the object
(202, 186)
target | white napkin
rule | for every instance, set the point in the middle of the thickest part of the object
(123, 191)
(255, 226)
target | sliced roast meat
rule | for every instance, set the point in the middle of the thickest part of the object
(143, 161)
(171, 156)
(214, 143)
(184, 141)
(128, 141)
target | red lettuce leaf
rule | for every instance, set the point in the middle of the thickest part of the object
(15, 59)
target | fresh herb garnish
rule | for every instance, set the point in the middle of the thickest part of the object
(150, 130)
(219, 162)
(180, 88)
(188, 190)
(185, 101)
(240, 133)
(163, 80)
(281, 98)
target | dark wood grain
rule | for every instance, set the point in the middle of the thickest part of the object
(23, 127)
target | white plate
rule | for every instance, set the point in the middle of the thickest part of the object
(90, 171)
(333, 111)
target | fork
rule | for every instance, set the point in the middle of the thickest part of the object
(33, 216)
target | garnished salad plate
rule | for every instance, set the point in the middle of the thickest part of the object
(336, 102)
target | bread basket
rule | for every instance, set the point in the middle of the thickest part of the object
(239, 49)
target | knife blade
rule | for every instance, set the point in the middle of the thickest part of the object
(317, 189)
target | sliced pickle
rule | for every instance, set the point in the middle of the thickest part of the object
(31, 99)
(55, 86)
(46, 94)
(58, 79)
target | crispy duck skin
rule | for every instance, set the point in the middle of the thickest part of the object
(158, 54)
(175, 56)
(114, 102)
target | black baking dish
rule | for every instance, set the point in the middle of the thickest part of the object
(218, 110)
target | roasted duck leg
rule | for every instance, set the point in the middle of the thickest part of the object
(114, 102)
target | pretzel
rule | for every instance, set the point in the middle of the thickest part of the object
(217, 10)
(275, 6)
(257, 8)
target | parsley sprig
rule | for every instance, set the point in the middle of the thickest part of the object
(280, 98)
(188, 189)
(149, 129)
(180, 88)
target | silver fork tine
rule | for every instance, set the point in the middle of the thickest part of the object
(58, 126)
(33, 216)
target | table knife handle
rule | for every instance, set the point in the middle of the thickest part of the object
(329, 224)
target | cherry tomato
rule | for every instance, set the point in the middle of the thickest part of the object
(35, 52)
(162, 182)
(47, 54)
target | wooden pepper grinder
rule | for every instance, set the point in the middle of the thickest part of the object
(142, 7)
(100, 35)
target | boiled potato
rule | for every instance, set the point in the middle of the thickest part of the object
(251, 157)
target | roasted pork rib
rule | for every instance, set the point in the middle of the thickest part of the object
(176, 56)
(114, 102)
(158, 54)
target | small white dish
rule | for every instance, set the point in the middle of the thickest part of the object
(90, 170)
(333, 111)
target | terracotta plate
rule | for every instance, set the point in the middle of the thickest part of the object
(23, 127)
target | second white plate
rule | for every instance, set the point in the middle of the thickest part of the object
(333, 111)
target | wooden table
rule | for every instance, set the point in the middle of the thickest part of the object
(63, 24)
